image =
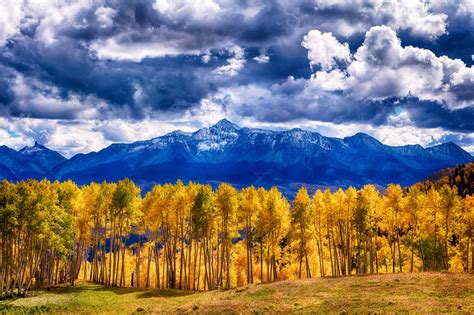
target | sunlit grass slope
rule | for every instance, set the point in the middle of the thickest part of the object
(420, 292)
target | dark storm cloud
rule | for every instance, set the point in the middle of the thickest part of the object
(71, 70)
(169, 83)
(166, 84)
(142, 23)
(433, 115)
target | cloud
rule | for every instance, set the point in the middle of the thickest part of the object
(382, 69)
(10, 16)
(79, 136)
(325, 50)
(167, 84)
(34, 98)
(206, 57)
(54, 17)
(399, 131)
(105, 16)
(262, 58)
(291, 100)
(234, 64)
(350, 17)
(383, 64)
(334, 80)
(204, 11)
(113, 49)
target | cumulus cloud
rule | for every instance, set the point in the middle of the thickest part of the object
(325, 50)
(334, 80)
(382, 68)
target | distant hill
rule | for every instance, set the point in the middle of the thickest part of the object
(460, 176)
(243, 156)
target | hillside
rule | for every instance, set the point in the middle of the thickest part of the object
(420, 293)
(460, 176)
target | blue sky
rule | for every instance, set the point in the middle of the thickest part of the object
(77, 75)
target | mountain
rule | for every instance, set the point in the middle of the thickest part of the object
(36, 161)
(43, 157)
(244, 156)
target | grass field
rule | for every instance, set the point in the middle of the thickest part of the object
(420, 293)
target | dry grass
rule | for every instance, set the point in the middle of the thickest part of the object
(397, 293)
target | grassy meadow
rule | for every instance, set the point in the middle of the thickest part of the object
(419, 293)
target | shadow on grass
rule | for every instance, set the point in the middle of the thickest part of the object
(142, 293)
(149, 293)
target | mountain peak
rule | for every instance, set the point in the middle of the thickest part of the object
(450, 148)
(39, 151)
(225, 125)
(362, 135)
(36, 147)
(361, 138)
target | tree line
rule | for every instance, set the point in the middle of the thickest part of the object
(460, 176)
(194, 237)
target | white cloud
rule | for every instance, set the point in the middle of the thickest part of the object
(400, 119)
(334, 80)
(415, 16)
(196, 10)
(325, 50)
(10, 16)
(105, 16)
(208, 112)
(52, 16)
(82, 136)
(262, 58)
(234, 64)
(382, 68)
(113, 49)
(206, 57)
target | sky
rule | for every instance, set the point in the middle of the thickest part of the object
(78, 75)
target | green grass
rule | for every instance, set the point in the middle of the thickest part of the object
(398, 293)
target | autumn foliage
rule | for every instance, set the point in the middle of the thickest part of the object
(192, 237)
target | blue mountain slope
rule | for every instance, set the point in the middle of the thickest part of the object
(242, 156)
(44, 158)
(36, 161)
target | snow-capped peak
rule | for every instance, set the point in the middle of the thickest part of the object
(33, 149)
(225, 126)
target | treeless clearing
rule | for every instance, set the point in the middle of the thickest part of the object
(419, 292)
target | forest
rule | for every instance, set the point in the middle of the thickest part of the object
(193, 237)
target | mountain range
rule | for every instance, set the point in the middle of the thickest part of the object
(241, 156)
